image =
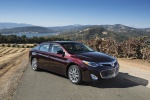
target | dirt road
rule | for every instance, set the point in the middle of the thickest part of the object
(137, 68)
(128, 85)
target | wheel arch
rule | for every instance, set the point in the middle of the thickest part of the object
(31, 59)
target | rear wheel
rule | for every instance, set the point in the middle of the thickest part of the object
(34, 64)
(74, 74)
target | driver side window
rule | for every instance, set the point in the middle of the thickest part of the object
(55, 48)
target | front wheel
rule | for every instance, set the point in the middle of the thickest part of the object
(74, 74)
(34, 64)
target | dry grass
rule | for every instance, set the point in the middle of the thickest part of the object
(7, 54)
(13, 62)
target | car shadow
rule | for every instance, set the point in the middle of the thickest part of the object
(123, 80)
(53, 73)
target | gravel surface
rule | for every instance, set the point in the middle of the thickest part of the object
(137, 68)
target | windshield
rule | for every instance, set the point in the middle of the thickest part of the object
(74, 48)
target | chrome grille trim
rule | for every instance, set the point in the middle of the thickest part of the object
(115, 72)
(113, 63)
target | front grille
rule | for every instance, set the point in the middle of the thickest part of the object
(109, 73)
(106, 64)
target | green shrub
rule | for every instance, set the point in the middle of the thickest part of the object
(3, 45)
(13, 45)
(18, 46)
(34, 45)
(23, 46)
(8, 45)
(27, 46)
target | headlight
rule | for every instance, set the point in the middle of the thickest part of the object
(92, 64)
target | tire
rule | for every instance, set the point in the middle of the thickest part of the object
(34, 64)
(74, 74)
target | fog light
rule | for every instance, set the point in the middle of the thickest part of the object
(94, 77)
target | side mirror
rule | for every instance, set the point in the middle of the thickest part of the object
(60, 52)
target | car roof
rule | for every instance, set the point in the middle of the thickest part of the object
(61, 42)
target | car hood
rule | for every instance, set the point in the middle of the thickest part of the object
(95, 57)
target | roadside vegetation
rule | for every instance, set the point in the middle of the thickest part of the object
(133, 48)
(13, 39)
(122, 44)
(15, 45)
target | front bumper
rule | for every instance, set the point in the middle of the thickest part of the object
(104, 72)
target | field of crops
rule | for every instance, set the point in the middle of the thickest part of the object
(13, 62)
(8, 54)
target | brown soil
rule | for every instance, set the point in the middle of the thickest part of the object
(134, 63)
(12, 67)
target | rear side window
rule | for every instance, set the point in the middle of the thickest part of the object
(44, 47)
(37, 47)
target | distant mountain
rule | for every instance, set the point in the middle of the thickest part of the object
(145, 29)
(115, 28)
(69, 28)
(116, 32)
(29, 29)
(12, 25)
(118, 28)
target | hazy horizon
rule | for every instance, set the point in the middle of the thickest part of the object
(73, 25)
(51, 13)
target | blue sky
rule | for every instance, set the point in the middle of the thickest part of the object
(134, 13)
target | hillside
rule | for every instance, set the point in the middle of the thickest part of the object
(118, 28)
(115, 28)
(8, 25)
(116, 32)
(32, 29)
(145, 29)
(69, 28)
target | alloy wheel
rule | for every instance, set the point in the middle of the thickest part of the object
(34, 64)
(74, 74)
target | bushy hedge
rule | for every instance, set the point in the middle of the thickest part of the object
(23, 39)
(131, 48)
(19, 45)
